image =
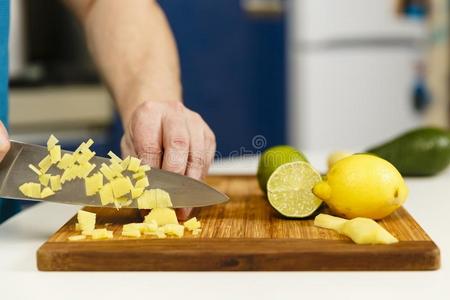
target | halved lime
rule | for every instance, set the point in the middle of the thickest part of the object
(274, 157)
(289, 189)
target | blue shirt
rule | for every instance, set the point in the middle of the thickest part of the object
(7, 207)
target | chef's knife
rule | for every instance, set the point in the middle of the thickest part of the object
(14, 171)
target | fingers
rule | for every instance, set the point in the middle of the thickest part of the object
(176, 140)
(145, 134)
(197, 150)
(4, 141)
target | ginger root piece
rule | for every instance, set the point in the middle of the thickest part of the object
(360, 230)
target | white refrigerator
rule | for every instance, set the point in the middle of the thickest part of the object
(352, 69)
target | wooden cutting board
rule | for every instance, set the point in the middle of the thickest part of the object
(243, 234)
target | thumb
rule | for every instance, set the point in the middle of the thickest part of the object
(4, 141)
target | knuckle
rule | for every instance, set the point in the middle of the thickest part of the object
(179, 142)
(150, 153)
(196, 161)
(150, 148)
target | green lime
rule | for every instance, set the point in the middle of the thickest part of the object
(289, 189)
(274, 157)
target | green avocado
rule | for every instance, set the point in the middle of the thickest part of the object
(419, 152)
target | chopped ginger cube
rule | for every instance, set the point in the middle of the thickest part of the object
(106, 194)
(192, 224)
(55, 183)
(86, 220)
(114, 158)
(174, 230)
(151, 226)
(51, 142)
(77, 237)
(85, 156)
(44, 179)
(34, 169)
(162, 216)
(25, 188)
(85, 169)
(144, 168)
(125, 162)
(146, 201)
(142, 183)
(89, 143)
(66, 161)
(139, 175)
(120, 187)
(154, 198)
(130, 184)
(107, 172)
(35, 190)
(55, 154)
(134, 226)
(134, 164)
(122, 202)
(160, 234)
(142, 227)
(136, 192)
(93, 184)
(84, 146)
(47, 192)
(131, 233)
(196, 231)
(66, 175)
(101, 234)
(45, 164)
(31, 189)
(116, 169)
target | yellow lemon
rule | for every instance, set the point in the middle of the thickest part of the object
(362, 185)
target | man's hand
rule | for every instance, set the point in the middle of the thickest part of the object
(4, 141)
(168, 135)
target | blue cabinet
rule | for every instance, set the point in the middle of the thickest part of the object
(233, 70)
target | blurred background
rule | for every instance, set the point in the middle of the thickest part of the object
(316, 74)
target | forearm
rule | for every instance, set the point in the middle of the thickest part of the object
(134, 49)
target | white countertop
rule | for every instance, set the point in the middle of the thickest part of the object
(21, 236)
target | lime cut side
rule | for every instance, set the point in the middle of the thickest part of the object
(289, 190)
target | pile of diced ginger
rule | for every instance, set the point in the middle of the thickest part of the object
(119, 190)
(160, 222)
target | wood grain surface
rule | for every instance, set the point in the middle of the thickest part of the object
(243, 234)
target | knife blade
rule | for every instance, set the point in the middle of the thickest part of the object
(14, 171)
